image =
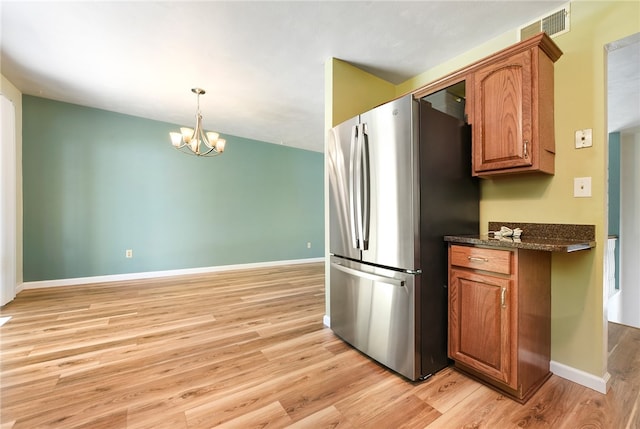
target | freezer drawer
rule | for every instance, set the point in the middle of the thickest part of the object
(373, 309)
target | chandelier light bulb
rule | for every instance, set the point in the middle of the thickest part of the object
(176, 139)
(187, 134)
(212, 139)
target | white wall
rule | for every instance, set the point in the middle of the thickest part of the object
(11, 198)
(7, 200)
(630, 228)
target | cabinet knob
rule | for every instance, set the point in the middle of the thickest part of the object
(526, 148)
(503, 297)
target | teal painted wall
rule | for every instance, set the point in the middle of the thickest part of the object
(97, 183)
(614, 197)
(614, 183)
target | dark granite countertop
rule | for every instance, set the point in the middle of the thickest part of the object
(545, 237)
(533, 243)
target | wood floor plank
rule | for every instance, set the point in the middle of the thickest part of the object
(326, 418)
(292, 388)
(446, 389)
(270, 416)
(549, 406)
(367, 404)
(247, 348)
(475, 411)
(346, 376)
(416, 414)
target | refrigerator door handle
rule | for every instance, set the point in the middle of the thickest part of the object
(364, 147)
(352, 188)
(369, 276)
(357, 173)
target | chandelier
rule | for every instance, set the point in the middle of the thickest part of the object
(196, 141)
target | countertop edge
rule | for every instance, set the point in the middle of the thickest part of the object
(533, 243)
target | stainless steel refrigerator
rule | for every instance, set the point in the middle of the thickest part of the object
(399, 180)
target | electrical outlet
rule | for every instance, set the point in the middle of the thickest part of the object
(584, 138)
(128, 253)
(308, 245)
(582, 187)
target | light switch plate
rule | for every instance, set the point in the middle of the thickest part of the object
(582, 187)
(584, 138)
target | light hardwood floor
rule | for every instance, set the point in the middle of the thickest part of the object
(247, 349)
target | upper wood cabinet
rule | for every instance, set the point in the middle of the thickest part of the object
(512, 114)
(509, 99)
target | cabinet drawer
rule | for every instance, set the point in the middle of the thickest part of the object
(497, 261)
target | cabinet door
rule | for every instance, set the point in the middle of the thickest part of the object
(502, 120)
(481, 318)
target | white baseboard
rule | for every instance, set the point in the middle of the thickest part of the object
(326, 321)
(155, 274)
(599, 384)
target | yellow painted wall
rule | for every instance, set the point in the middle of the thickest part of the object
(578, 324)
(353, 91)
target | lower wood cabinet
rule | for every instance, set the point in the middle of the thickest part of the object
(500, 316)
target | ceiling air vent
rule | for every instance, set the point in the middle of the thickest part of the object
(554, 24)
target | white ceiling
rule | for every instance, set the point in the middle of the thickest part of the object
(261, 62)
